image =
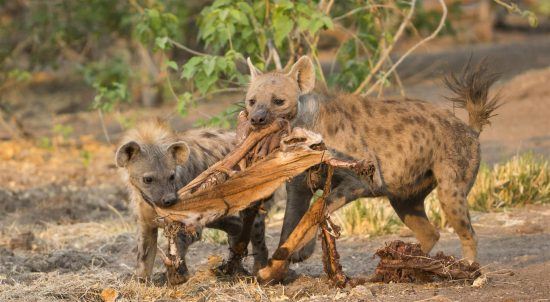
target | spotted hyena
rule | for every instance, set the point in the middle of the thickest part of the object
(155, 162)
(418, 146)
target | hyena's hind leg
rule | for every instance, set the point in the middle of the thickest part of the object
(452, 191)
(412, 212)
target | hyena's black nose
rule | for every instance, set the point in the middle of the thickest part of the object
(169, 200)
(259, 117)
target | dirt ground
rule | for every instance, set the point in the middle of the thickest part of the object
(72, 236)
(66, 231)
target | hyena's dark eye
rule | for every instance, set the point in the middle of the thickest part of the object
(279, 102)
(147, 179)
(172, 177)
(251, 102)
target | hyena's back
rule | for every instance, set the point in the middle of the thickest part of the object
(410, 138)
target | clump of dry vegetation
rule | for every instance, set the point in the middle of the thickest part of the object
(522, 180)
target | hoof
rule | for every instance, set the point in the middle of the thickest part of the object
(275, 271)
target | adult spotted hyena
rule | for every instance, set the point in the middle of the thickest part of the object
(155, 162)
(418, 146)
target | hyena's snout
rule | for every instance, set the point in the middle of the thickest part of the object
(169, 199)
(259, 117)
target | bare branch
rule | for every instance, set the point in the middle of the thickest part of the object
(189, 50)
(388, 50)
(428, 38)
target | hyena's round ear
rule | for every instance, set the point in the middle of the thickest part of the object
(303, 72)
(126, 153)
(180, 152)
(254, 72)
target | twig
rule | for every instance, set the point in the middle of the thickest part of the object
(273, 52)
(189, 50)
(408, 52)
(102, 121)
(387, 51)
(356, 10)
(398, 81)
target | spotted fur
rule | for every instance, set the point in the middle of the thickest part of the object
(153, 150)
(418, 147)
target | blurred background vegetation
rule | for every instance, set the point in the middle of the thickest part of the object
(150, 52)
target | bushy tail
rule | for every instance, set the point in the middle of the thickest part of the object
(471, 90)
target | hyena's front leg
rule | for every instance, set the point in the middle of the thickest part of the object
(180, 274)
(240, 249)
(147, 250)
(346, 187)
(231, 225)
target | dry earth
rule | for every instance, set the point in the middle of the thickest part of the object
(66, 231)
(66, 234)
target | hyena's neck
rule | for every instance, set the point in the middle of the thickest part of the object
(308, 111)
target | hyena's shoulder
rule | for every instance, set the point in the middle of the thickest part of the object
(208, 145)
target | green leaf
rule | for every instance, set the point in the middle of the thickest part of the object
(161, 42)
(183, 102)
(171, 64)
(204, 82)
(282, 26)
(221, 63)
(209, 66)
(190, 68)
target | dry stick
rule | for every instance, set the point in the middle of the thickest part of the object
(232, 159)
(408, 52)
(387, 51)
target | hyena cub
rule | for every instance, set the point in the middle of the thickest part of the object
(418, 146)
(155, 162)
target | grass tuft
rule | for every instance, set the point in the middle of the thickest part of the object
(374, 217)
(522, 180)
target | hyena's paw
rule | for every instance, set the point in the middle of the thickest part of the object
(231, 267)
(177, 276)
(303, 253)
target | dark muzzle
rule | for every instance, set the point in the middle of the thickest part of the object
(259, 117)
(169, 200)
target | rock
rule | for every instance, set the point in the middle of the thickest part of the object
(480, 282)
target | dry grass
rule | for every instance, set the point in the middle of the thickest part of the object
(524, 179)
(374, 217)
(88, 285)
